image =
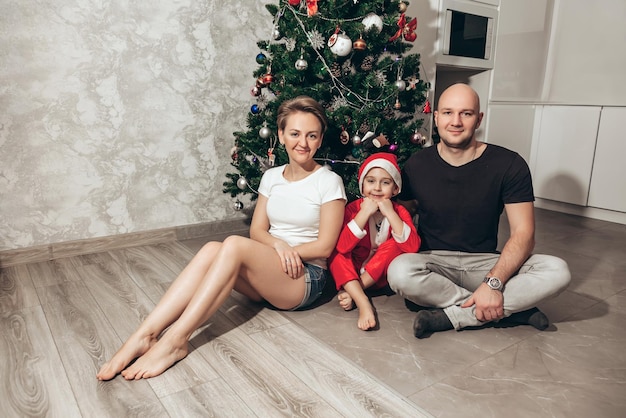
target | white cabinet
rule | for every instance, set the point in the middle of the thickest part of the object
(565, 145)
(608, 179)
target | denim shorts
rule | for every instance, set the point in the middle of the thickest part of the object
(315, 279)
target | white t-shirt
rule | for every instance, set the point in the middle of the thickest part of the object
(294, 208)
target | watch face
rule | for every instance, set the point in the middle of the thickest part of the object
(494, 283)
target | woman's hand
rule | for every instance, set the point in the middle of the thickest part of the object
(290, 260)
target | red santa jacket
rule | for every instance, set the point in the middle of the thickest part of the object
(359, 250)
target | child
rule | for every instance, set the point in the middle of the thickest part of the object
(375, 231)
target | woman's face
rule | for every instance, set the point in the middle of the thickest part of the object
(302, 137)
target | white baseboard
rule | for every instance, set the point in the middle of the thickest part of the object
(586, 211)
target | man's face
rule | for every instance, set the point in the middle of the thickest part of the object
(457, 117)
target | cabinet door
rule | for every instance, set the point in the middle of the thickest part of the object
(564, 158)
(608, 179)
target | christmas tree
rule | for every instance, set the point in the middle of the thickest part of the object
(351, 56)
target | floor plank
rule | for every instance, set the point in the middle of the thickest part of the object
(88, 340)
(35, 381)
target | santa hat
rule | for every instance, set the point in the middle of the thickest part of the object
(384, 160)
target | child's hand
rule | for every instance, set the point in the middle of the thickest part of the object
(386, 207)
(369, 206)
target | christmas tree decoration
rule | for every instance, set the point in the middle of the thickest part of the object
(340, 44)
(242, 183)
(238, 205)
(406, 29)
(359, 44)
(412, 82)
(372, 20)
(301, 64)
(311, 7)
(268, 78)
(427, 108)
(402, 7)
(416, 138)
(234, 154)
(265, 132)
(373, 100)
(380, 141)
(261, 58)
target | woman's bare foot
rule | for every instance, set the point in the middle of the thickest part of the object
(345, 301)
(134, 347)
(158, 359)
(367, 318)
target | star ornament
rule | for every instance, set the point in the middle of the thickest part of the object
(405, 29)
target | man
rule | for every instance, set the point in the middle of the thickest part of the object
(460, 187)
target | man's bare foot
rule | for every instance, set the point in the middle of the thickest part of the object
(367, 318)
(345, 301)
(134, 347)
(158, 359)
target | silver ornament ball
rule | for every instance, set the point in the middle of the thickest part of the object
(242, 183)
(238, 205)
(265, 132)
(301, 64)
(401, 85)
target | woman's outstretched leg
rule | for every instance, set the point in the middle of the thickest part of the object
(238, 258)
(169, 308)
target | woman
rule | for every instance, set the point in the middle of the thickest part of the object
(294, 229)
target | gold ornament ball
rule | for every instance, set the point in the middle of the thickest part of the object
(359, 45)
(402, 7)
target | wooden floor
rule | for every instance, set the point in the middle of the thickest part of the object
(62, 319)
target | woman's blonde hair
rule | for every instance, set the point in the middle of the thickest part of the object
(304, 104)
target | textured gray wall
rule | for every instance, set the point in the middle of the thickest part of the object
(117, 116)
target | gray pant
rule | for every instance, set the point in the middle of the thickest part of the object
(446, 279)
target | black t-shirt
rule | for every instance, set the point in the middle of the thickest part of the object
(459, 208)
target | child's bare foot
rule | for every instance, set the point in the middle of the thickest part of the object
(367, 318)
(158, 359)
(345, 301)
(134, 347)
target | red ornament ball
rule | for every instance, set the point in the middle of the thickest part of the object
(417, 138)
(268, 78)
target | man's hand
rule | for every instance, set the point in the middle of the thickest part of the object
(489, 303)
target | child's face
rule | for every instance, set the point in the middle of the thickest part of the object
(379, 185)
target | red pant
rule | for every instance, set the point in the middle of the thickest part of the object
(346, 267)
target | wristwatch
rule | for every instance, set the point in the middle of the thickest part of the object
(494, 283)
